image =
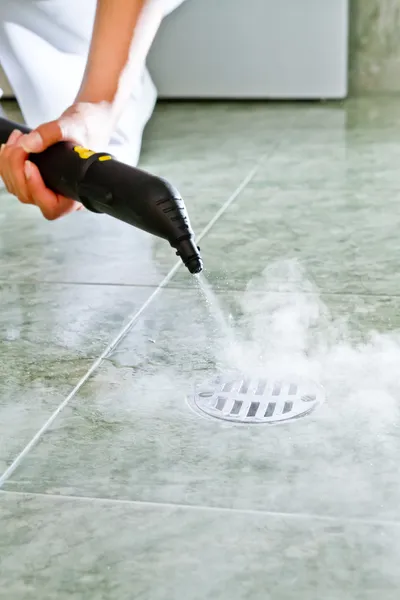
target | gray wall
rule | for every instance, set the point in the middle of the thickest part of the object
(374, 47)
(374, 61)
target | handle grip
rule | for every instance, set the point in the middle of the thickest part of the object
(61, 166)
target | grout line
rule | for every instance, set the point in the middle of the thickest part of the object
(52, 282)
(209, 509)
(124, 331)
(222, 288)
(230, 200)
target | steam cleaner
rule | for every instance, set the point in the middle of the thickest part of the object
(105, 185)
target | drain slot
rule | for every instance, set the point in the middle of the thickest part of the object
(261, 387)
(292, 389)
(270, 409)
(244, 388)
(228, 386)
(277, 389)
(288, 407)
(236, 407)
(254, 406)
(309, 398)
(221, 401)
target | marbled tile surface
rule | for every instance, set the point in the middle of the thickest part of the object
(131, 435)
(128, 492)
(103, 550)
(50, 335)
(64, 548)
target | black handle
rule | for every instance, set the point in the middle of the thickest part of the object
(62, 166)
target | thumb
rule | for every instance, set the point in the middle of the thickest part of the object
(42, 137)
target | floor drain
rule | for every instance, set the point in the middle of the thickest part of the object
(245, 400)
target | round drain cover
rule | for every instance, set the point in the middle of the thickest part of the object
(246, 400)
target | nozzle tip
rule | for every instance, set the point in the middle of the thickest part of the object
(195, 265)
(190, 255)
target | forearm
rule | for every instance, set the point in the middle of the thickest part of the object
(118, 48)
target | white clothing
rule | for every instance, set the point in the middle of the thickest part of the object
(43, 50)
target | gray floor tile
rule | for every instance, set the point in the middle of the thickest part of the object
(344, 239)
(319, 159)
(131, 434)
(64, 548)
(80, 248)
(313, 241)
(371, 114)
(49, 337)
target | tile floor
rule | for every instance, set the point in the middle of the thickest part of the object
(111, 486)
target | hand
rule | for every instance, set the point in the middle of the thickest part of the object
(87, 124)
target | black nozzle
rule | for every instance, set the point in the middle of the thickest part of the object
(145, 201)
(190, 255)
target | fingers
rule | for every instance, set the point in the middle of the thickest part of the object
(14, 137)
(39, 194)
(42, 137)
(22, 178)
(53, 206)
(12, 158)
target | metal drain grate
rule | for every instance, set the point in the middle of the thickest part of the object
(245, 400)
